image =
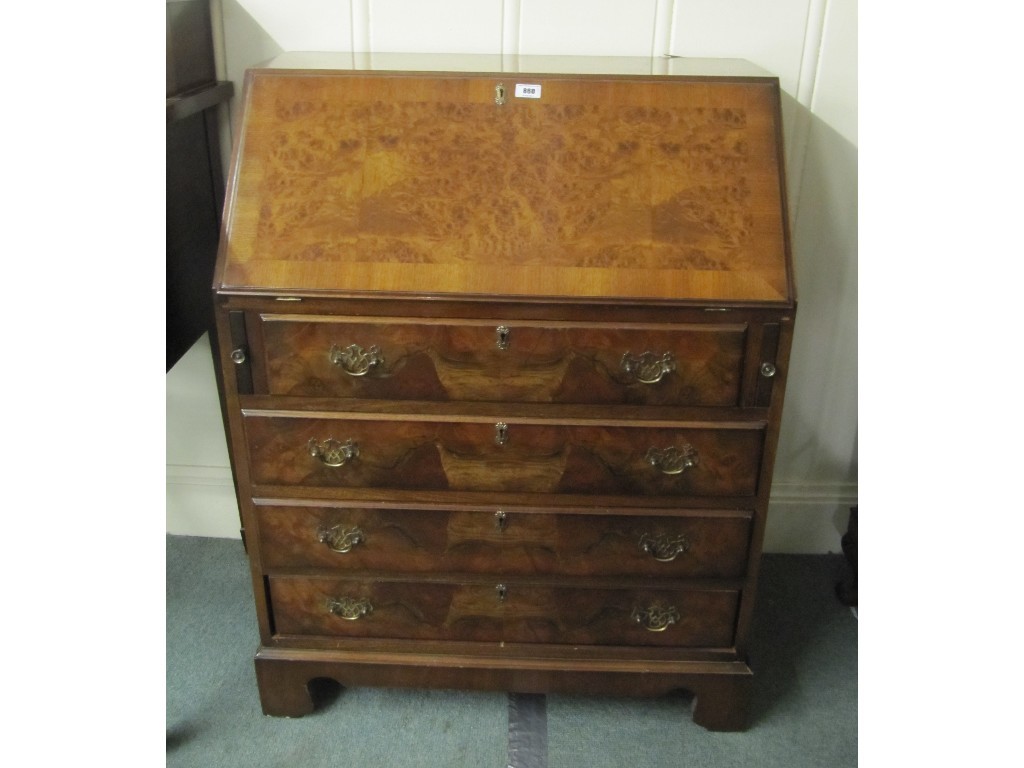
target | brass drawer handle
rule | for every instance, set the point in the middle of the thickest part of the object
(672, 461)
(354, 360)
(655, 618)
(339, 539)
(331, 452)
(349, 608)
(664, 549)
(648, 368)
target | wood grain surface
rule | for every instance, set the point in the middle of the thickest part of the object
(539, 362)
(504, 542)
(439, 610)
(504, 380)
(422, 185)
(550, 458)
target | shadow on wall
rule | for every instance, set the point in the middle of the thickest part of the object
(246, 44)
(818, 442)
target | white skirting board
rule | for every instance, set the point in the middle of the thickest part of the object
(806, 519)
(201, 502)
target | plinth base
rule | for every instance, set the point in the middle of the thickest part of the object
(721, 689)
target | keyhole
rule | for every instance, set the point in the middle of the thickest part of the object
(501, 433)
(502, 334)
(502, 592)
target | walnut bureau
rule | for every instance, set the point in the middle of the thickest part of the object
(503, 351)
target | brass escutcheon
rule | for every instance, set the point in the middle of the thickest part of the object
(499, 94)
(502, 332)
(501, 433)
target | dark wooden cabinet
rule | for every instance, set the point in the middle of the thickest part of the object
(195, 181)
(504, 375)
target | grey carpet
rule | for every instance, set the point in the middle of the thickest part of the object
(803, 652)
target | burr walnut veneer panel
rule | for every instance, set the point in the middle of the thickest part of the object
(536, 362)
(535, 458)
(506, 541)
(660, 188)
(503, 377)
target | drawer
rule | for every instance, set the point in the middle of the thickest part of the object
(503, 612)
(417, 359)
(419, 453)
(694, 544)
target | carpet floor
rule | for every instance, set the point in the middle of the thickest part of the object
(804, 712)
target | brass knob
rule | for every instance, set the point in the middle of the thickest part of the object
(238, 355)
(767, 370)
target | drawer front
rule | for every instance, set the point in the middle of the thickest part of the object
(402, 359)
(474, 456)
(510, 612)
(509, 542)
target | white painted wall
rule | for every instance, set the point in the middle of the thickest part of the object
(810, 44)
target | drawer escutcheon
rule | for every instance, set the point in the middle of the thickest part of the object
(500, 433)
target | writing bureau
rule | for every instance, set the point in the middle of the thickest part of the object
(504, 345)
